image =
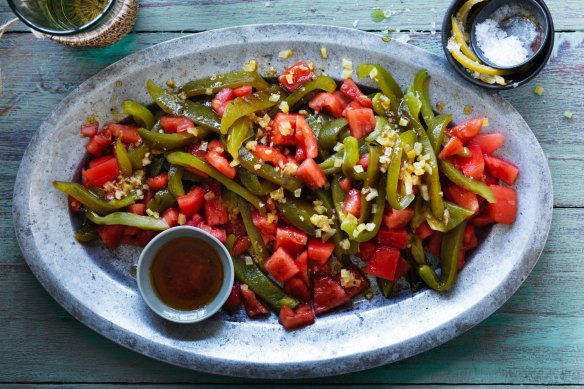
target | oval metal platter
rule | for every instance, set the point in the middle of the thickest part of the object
(97, 287)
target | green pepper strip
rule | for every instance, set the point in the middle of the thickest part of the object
(449, 254)
(413, 103)
(86, 233)
(386, 287)
(351, 158)
(175, 185)
(365, 235)
(419, 215)
(141, 115)
(395, 200)
(219, 81)
(327, 137)
(253, 184)
(464, 182)
(298, 213)
(123, 159)
(420, 87)
(325, 197)
(381, 104)
(323, 83)
(161, 201)
(246, 105)
(338, 196)
(328, 165)
(384, 80)
(255, 237)
(250, 162)
(238, 133)
(456, 215)
(137, 156)
(417, 249)
(189, 160)
(162, 141)
(370, 180)
(128, 219)
(436, 131)
(85, 197)
(155, 167)
(172, 104)
(381, 125)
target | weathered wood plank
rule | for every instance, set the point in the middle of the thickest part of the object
(237, 386)
(535, 338)
(200, 15)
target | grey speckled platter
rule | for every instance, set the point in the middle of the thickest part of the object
(96, 285)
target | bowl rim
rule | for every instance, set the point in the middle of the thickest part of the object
(152, 299)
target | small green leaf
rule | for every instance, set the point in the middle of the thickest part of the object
(378, 15)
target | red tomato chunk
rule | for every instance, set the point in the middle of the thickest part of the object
(320, 251)
(281, 265)
(295, 76)
(292, 320)
(253, 307)
(291, 239)
(501, 169)
(310, 173)
(328, 295)
(504, 210)
(173, 124)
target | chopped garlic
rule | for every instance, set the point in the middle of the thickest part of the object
(345, 244)
(538, 90)
(374, 209)
(277, 194)
(347, 64)
(569, 114)
(338, 162)
(373, 193)
(289, 169)
(403, 121)
(251, 66)
(248, 262)
(298, 192)
(234, 163)
(286, 54)
(358, 169)
(286, 128)
(370, 226)
(424, 192)
(209, 91)
(318, 233)
(373, 73)
(486, 122)
(257, 166)
(289, 78)
(346, 74)
(251, 145)
(150, 212)
(274, 97)
(323, 52)
(209, 195)
(418, 148)
(182, 219)
(301, 218)
(264, 121)
(284, 107)
(338, 147)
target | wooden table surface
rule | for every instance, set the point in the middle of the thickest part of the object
(536, 338)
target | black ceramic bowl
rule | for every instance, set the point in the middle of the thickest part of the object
(524, 75)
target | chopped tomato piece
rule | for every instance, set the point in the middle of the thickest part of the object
(131, 231)
(501, 169)
(357, 282)
(266, 226)
(320, 251)
(320, 270)
(435, 243)
(328, 294)
(489, 142)
(270, 154)
(221, 99)
(296, 287)
(292, 320)
(364, 161)
(89, 130)
(345, 184)
(195, 220)
(172, 124)
(352, 203)
(306, 140)
(504, 210)
(468, 129)
(216, 212)
(423, 231)
(217, 146)
(191, 202)
(243, 91)
(281, 265)
(158, 182)
(295, 76)
(111, 235)
(98, 144)
(221, 163)
(361, 121)
(473, 166)
(302, 263)
(128, 133)
(334, 103)
(394, 218)
(352, 91)
(137, 208)
(170, 216)
(483, 219)
(283, 129)
(234, 300)
(453, 147)
(366, 250)
(241, 245)
(469, 240)
(396, 238)
(253, 307)
(291, 239)
(462, 197)
(100, 174)
(384, 263)
(218, 233)
(403, 267)
(310, 173)
(98, 161)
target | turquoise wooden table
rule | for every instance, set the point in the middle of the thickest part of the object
(536, 338)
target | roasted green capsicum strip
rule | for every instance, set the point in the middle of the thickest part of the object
(367, 235)
(381, 125)
(413, 103)
(386, 287)
(417, 249)
(217, 82)
(395, 200)
(85, 197)
(325, 197)
(323, 83)
(260, 251)
(188, 160)
(141, 115)
(155, 167)
(338, 195)
(238, 133)
(449, 254)
(123, 158)
(138, 155)
(351, 158)
(370, 181)
(86, 233)
(436, 131)
(162, 141)
(266, 289)
(161, 201)
(261, 169)
(298, 213)
(384, 80)
(172, 104)
(456, 215)
(246, 105)
(420, 87)
(382, 104)
(419, 213)
(327, 137)
(329, 166)
(464, 182)
(175, 185)
(128, 219)
(253, 184)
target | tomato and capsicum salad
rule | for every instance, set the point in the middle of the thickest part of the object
(317, 188)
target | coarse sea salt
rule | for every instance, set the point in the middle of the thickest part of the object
(502, 49)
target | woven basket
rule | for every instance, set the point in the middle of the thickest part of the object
(116, 24)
